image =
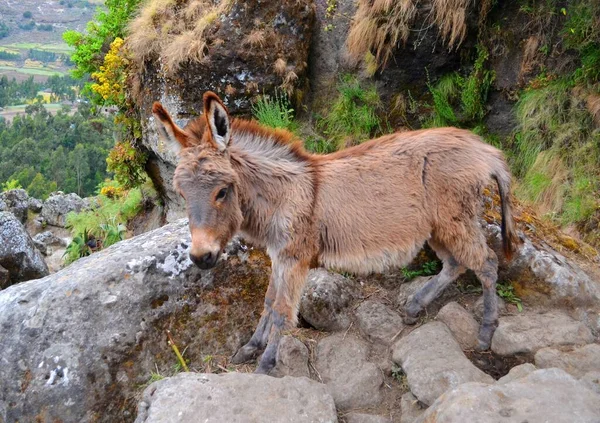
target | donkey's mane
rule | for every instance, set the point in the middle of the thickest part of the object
(243, 129)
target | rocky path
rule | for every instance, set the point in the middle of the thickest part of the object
(86, 343)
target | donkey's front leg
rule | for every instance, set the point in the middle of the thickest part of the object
(290, 277)
(259, 339)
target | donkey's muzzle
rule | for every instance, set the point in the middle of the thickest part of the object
(205, 261)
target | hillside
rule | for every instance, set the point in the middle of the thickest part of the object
(31, 35)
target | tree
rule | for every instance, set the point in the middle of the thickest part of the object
(78, 161)
(40, 187)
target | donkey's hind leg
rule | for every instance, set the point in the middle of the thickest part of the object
(488, 274)
(435, 286)
(431, 290)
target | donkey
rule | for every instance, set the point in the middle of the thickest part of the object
(362, 209)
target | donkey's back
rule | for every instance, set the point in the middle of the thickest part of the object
(379, 202)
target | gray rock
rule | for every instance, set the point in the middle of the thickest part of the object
(577, 362)
(18, 254)
(35, 205)
(548, 395)
(411, 408)
(46, 239)
(235, 398)
(517, 372)
(478, 308)
(527, 333)
(325, 300)
(461, 323)
(352, 380)
(592, 381)
(292, 358)
(365, 418)
(85, 338)
(4, 278)
(378, 322)
(58, 205)
(434, 362)
(16, 201)
(544, 275)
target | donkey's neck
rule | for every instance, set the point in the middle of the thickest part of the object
(274, 175)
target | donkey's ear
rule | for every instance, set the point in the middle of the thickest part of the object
(176, 136)
(218, 120)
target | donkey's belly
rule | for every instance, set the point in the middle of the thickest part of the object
(362, 262)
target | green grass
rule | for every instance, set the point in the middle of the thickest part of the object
(104, 221)
(31, 71)
(429, 268)
(55, 48)
(275, 112)
(460, 101)
(353, 116)
(507, 293)
(556, 152)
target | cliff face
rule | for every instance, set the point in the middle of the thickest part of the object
(247, 49)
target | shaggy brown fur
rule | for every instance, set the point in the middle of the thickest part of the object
(363, 209)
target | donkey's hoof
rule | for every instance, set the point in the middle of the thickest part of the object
(410, 320)
(245, 354)
(483, 345)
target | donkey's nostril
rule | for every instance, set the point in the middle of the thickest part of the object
(205, 261)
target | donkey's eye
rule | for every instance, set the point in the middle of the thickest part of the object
(221, 194)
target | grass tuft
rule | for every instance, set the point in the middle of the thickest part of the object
(352, 118)
(275, 112)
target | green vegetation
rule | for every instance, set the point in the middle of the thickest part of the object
(557, 152)
(460, 100)
(275, 112)
(507, 293)
(4, 30)
(78, 247)
(429, 268)
(353, 116)
(108, 220)
(65, 151)
(110, 70)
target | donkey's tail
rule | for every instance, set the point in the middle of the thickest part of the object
(509, 233)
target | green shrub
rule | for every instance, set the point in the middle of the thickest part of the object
(78, 247)
(107, 222)
(556, 152)
(352, 118)
(460, 101)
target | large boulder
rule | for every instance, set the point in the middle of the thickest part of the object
(58, 205)
(326, 299)
(527, 333)
(548, 395)
(252, 48)
(434, 362)
(353, 381)
(542, 275)
(461, 323)
(15, 201)
(82, 341)
(577, 362)
(236, 398)
(18, 254)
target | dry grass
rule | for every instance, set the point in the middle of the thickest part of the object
(173, 32)
(255, 39)
(592, 103)
(530, 53)
(378, 27)
(451, 18)
(280, 67)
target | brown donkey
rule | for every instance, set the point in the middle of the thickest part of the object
(362, 209)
